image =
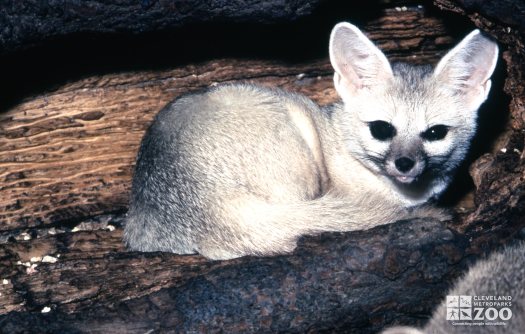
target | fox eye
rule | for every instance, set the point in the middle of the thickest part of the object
(382, 130)
(437, 132)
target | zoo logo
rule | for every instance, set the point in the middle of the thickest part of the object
(461, 308)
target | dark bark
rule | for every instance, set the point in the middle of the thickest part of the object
(504, 12)
(26, 23)
(359, 281)
(355, 282)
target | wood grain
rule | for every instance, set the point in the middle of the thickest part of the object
(70, 153)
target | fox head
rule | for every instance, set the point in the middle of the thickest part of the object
(410, 123)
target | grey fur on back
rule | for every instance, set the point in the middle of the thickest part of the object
(227, 186)
(207, 161)
(502, 274)
(245, 170)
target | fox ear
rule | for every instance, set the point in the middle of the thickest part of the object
(467, 68)
(357, 62)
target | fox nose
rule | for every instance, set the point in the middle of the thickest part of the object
(404, 164)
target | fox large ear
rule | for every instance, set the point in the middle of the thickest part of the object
(467, 68)
(357, 62)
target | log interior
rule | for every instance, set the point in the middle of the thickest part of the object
(73, 113)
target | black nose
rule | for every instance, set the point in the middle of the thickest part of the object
(404, 164)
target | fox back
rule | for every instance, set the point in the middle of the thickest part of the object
(241, 169)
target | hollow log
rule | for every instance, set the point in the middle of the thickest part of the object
(74, 147)
(67, 149)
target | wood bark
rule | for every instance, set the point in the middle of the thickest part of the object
(67, 154)
(27, 23)
(356, 282)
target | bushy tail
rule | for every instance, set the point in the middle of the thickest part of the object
(253, 226)
(264, 228)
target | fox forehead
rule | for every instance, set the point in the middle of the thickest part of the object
(413, 101)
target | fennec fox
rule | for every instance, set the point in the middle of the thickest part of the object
(241, 169)
(502, 274)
